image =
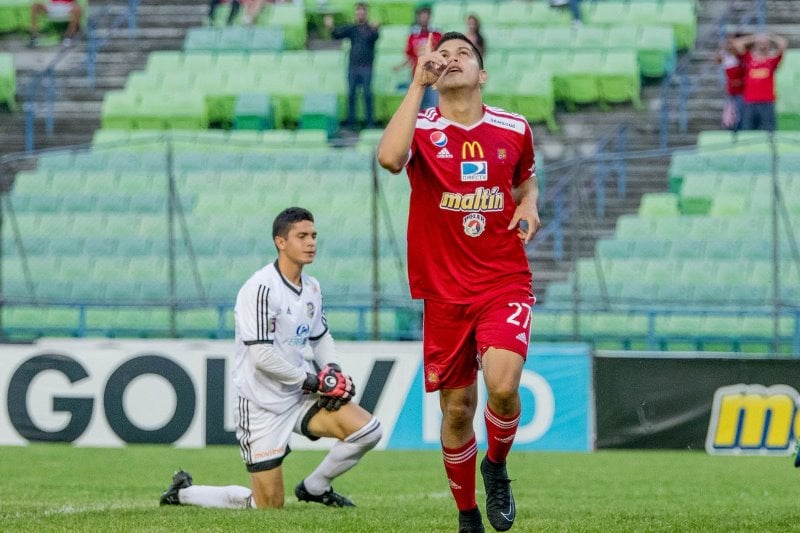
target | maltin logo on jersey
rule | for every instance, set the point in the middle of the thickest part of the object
(439, 139)
(474, 224)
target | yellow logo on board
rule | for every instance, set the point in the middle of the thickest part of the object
(753, 420)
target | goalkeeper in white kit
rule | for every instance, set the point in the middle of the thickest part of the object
(278, 314)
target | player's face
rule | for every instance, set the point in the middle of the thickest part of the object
(300, 245)
(462, 69)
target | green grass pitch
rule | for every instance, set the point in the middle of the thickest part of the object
(62, 488)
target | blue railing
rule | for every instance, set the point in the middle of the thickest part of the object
(46, 77)
(611, 156)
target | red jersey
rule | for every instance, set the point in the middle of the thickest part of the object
(759, 82)
(416, 44)
(734, 74)
(459, 247)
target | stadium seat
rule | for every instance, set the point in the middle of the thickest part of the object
(201, 40)
(8, 79)
(683, 19)
(658, 205)
(579, 79)
(728, 204)
(319, 111)
(618, 78)
(656, 51)
(292, 20)
(253, 111)
(119, 110)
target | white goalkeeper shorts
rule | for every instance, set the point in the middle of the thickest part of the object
(264, 436)
(58, 11)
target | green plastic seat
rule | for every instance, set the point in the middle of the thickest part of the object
(656, 50)
(8, 79)
(618, 78)
(119, 110)
(658, 205)
(253, 111)
(201, 40)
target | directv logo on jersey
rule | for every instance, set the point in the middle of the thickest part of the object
(474, 171)
(444, 153)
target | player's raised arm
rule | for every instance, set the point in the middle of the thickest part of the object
(396, 140)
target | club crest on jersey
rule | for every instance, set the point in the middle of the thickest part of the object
(439, 139)
(502, 154)
(310, 310)
(474, 224)
(474, 171)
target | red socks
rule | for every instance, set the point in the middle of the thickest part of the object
(459, 464)
(500, 433)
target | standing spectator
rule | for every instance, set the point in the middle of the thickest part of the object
(472, 210)
(733, 108)
(760, 63)
(363, 36)
(212, 10)
(57, 11)
(474, 33)
(415, 47)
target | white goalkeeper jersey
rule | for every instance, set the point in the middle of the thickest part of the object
(269, 309)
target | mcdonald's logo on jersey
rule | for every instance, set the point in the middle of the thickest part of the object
(753, 420)
(474, 148)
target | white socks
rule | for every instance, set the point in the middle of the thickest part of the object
(230, 497)
(343, 456)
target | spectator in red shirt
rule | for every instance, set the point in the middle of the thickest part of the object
(728, 58)
(415, 47)
(760, 62)
(57, 11)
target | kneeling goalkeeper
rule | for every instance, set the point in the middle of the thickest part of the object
(278, 314)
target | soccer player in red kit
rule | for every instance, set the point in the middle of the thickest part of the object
(472, 210)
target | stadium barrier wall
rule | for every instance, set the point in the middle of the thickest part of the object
(110, 393)
(727, 405)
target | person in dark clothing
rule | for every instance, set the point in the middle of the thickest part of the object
(212, 11)
(363, 35)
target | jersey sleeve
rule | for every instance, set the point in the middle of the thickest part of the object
(526, 167)
(319, 324)
(255, 320)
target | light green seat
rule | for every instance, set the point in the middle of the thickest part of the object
(618, 78)
(656, 50)
(201, 40)
(253, 111)
(658, 205)
(292, 20)
(697, 192)
(728, 204)
(683, 19)
(234, 39)
(445, 15)
(8, 81)
(266, 40)
(580, 80)
(119, 110)
(607, 13)
(590, 37)
(161, 61)
(509, 13)
(534, 98)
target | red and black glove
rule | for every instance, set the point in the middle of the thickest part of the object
(335, 388)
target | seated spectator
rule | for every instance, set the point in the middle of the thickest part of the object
(760, 54)
(212, 10)
(57, 11)
(474, 33)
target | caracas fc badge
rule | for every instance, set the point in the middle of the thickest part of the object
(474, 224)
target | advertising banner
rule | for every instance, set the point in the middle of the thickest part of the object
(725, 405)
(102, 392)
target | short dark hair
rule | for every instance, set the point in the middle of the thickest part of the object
(453, 35)
(283, 222)
(361, 4)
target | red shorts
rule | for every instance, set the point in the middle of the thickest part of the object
(455, 336)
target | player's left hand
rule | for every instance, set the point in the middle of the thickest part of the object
(329, 403)
(526, 220)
